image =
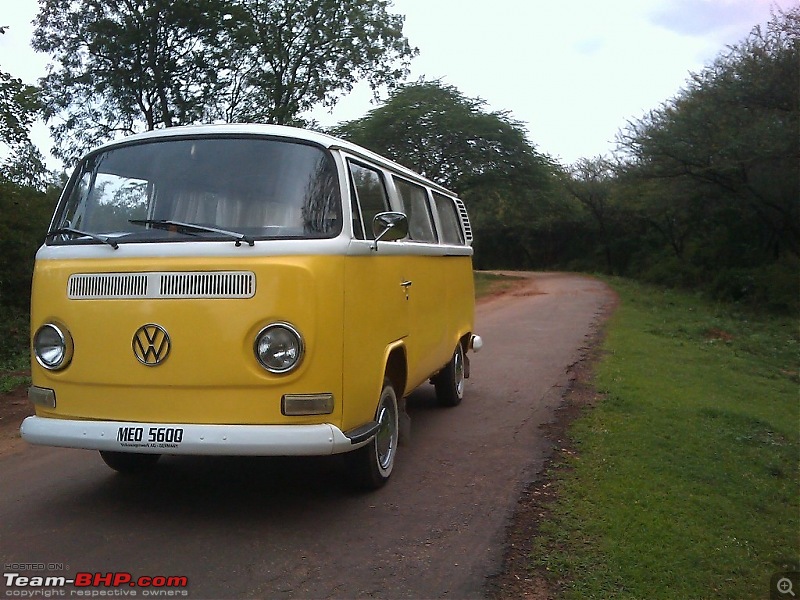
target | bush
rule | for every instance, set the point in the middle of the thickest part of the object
(774, 287)
(26, 215)
(14, 331)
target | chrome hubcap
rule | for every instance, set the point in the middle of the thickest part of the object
(458, 364)
(385, 439)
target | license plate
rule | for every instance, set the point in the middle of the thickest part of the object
(149, 437)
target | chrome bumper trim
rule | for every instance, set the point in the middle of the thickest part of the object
(230, 440)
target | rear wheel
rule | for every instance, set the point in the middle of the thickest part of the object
(128, 462)
(370, 466)
(449, 382)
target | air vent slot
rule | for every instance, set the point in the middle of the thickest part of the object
(462, 213)
(122, 286)
(107, 285)
(207, 285)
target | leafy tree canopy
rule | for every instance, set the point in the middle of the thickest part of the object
(122, 66)
(435, 130)
(733, 131)
(438, 132)
(19, 108)
(288, 56)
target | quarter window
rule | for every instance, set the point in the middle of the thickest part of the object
(415, 204)
(448, 217)
(372, 199)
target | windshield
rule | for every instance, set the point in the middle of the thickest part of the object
(215, 188)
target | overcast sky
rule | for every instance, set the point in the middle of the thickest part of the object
(574, 72)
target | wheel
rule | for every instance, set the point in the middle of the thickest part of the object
(370, 466)
(449, 382)
(128, 462)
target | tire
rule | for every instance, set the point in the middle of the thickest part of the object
(128, 462)
(449, 382)
(370, 466)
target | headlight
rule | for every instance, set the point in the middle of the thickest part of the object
(52, 346)
(279, 348)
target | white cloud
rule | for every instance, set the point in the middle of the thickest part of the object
(718, 19)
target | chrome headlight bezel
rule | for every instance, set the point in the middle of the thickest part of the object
(290, 343)
(52, 346)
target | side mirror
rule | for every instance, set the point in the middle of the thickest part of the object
(389, 226)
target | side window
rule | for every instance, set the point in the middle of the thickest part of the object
(451, 226)
(371, 196)
(415, 204)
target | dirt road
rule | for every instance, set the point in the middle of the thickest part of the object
(289, 528)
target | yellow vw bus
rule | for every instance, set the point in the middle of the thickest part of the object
(246, 290)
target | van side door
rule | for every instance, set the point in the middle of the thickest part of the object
(375, 300)
(431, 332)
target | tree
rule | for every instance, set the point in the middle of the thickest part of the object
(714, 174)
(26, 167)
(26, 214)
(733, 135)
(288, 56)
(438, 132)
(590, 182)
(123, 66)
(19, 107)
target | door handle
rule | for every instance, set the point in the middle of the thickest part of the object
(405, 285)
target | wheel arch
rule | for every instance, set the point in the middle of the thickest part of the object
(464, 341)
(397, 368)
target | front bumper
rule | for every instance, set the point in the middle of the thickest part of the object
(162, 438)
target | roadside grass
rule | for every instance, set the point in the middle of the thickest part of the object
(684, 480)
(493, 283)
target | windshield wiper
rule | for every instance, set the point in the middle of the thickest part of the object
(167, 224)
(94, 236)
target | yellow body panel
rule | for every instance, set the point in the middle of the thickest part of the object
(426, 319)
(211, 374)
(351, 310)
(441, 312)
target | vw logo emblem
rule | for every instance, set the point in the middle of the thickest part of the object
(151, 344)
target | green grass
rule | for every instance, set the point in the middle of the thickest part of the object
(685, 480)
(492, 283)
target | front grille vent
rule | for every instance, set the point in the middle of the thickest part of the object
(207, 285)
(110, 286)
